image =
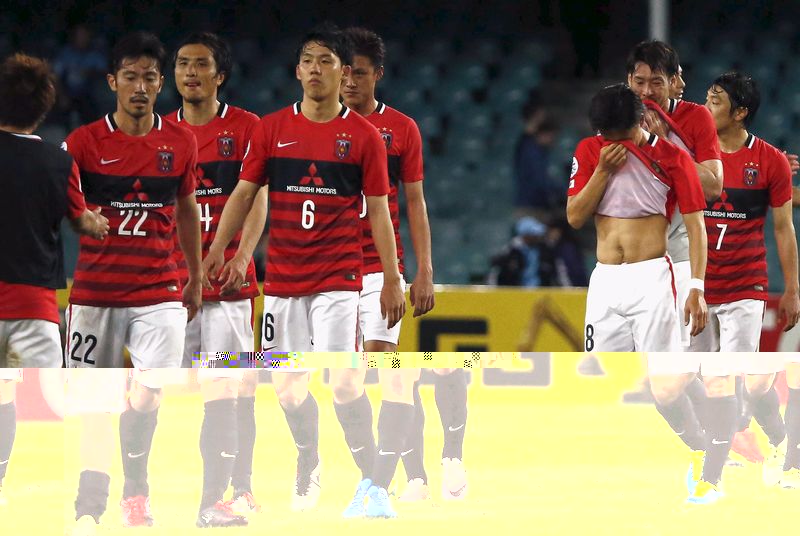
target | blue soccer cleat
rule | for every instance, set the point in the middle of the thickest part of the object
(379, 504)
(705, 493)
(695, 472)
(356, 508)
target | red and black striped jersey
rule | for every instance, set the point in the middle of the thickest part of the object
(221, 144)
(136, 180)
(316, 173)
(756, 177)
(404, 154)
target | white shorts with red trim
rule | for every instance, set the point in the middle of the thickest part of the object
(371, 324)
(763, 363)
(731, 327)
(631, 307)
(11, 374)
(30, 344)
(222, 326)
(153, 334)
(325, 322)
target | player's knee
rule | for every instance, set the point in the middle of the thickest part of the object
(145, 399)
(443, 371)
(665, 394)
(717, 387)
(757, 385)
(379, 346)
(346, 390)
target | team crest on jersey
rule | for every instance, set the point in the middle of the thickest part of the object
(750, 176)
(165, 159)
(386, 134)
(225, 144)
(342, 147)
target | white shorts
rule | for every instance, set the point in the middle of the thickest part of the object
(156, 378)
(96, 390)
(11, 374)
(671, 363)
(221, 326)
(371, 325)
(211, 374)
(732, 327)
(792, 357)
(683, 274)
(326, 322)
(720, 363)
(30, 343)
(631, 308)
(763, 363)
(153, 334)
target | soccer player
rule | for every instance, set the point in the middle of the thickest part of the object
(317, 157)
(8, 421)
(757, 177)
(202, 67)
(791, 467)
(141, 170)
(41, 187)
(676, 85)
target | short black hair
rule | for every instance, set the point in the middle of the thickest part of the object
(742, 91)
(615, 109)
(219, 48)
(330, 36)
(137, 45)
(367, 43)
(658, 55)
(27, 91)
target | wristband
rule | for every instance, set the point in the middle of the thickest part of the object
(698, 284)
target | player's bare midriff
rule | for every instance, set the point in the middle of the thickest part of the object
(621, 240)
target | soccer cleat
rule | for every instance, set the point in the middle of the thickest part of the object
(695, 473)
(705, 493)
(356, 508)
(136, 512)
(773, 464)
(416, 490)
(85, 526)
(306, 489)
(379, 504)
(219, 516)
(791, 479)
(745, 445)
(454, 479)
(243, 505)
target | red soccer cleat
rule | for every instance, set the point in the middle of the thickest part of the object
(745, 445)
(136, 512)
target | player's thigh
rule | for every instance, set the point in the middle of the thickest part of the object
(604, 329)
(720, 364)
(192, 338)
(157, 334)
(96, 391)
(372, 325)
(708, 339)
(397, 385)
(762, 363)
(217, 384)
(347, 384)
(211, 375)
(287, 326)
(793, 371)
(682, 272)
(740, 325)
(653, 315)
(672, 363)
(96, 336)
(30, 343)
(334, 321)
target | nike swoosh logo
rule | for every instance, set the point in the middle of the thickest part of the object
(715, 442)
(406, 452)
(359, 449)
(132, 455)
(103, 161)
(288, 143)
(226, 455)
(456, 429)
(383, 453)
(301, 447)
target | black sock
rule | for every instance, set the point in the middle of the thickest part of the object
(744, 410)
(413, 454)
(681, 417)
(793, 430)
(696, 391)
(218, 447)
(8, 431)
(356, 420)
(721, 419)
(92, 495)
(767, 411)
(243, 465)
(136, 431)
(303, 422)
(394, 422)
(451, 399)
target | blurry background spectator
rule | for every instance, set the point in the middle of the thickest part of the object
(78, 65)
(561, 262)
(518, 263)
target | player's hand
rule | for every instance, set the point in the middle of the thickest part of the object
(794, 162)
(100, 225)
(212, 264)
(393, 302)
(654, 124)
(233, 275)
(695, 310)
(422, 294)
(612, 157)
(192, 297)
(789, 309)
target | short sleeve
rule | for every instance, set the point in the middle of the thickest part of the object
(254, 164)
(706, 142)
(374, 167)
(584, 163)
(189, 178)
(780, 179)
(411, 159)
(686, 182)
(77, 204)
